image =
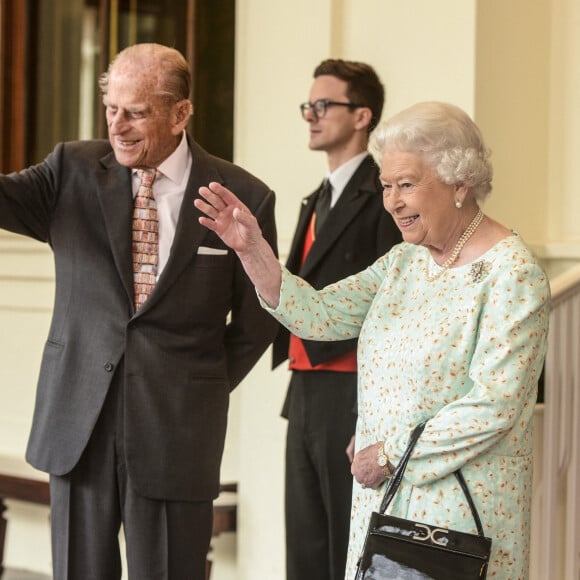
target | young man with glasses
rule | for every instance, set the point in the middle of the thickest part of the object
(342, 228)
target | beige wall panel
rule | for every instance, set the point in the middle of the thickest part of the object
(26, 297)
(512, 106)
(563, 203)
(423, 50)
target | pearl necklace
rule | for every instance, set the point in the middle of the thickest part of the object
(458, 247)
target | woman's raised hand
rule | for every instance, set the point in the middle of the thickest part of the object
(228, 217)
(234, 223)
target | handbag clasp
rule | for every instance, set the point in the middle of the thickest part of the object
(429, 534)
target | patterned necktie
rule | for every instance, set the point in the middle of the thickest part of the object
(322, 207)
(145, 238)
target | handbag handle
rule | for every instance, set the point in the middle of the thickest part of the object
(472, 507)
(397, 477)
(395, 481)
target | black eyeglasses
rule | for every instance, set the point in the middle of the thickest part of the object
(320, 106)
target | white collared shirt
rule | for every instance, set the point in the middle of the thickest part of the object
(168, 190)
(342, 175)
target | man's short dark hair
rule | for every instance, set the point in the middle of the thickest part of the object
(364, 86)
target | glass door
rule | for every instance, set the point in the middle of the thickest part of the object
(50, 72)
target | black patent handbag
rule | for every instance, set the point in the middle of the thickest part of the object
(400, 549)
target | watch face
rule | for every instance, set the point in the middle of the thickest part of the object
(382, 460)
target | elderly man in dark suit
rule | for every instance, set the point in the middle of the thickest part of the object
(154, 324)
(342, 228)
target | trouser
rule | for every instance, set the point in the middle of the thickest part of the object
(321, 422)
(165, 540)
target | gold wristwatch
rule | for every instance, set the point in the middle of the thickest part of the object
(383, 461)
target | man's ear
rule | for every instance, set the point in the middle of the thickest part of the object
(182, 111)
(363, 117)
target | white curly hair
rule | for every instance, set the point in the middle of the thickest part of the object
(445, 137)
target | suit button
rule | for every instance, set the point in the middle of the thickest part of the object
(109, 366)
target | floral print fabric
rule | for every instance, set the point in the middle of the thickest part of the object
(464, 351)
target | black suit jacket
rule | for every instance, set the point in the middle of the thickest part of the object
(196, 337)
(357, 231)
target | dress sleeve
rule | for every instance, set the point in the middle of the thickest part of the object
(336, 312)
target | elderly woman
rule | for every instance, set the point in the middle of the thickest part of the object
(452, 327)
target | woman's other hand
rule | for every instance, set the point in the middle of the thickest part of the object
(366, 469)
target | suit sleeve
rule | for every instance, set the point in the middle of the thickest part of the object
(251, 328)
(28, 198)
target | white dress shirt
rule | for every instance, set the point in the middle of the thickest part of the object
(341, 176)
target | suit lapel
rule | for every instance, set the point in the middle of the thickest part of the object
(352, 200)
(295, 254)
(115, 196)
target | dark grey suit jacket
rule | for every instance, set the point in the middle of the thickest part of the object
(357, 232)
(193, 341)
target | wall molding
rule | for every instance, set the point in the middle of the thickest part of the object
(557, 250)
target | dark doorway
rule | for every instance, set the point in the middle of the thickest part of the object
(49, 70)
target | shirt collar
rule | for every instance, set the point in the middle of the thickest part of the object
(175, 165)
(342, 175)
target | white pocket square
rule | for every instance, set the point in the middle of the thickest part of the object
(205, 251)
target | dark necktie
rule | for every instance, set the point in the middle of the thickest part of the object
(145, 239)
(322, 206)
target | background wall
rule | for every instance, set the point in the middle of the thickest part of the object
(513, 65)
(512, 106)
(26, 293)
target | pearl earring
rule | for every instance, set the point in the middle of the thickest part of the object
(458, 204)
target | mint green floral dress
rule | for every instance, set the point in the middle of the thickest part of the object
(463, 350)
